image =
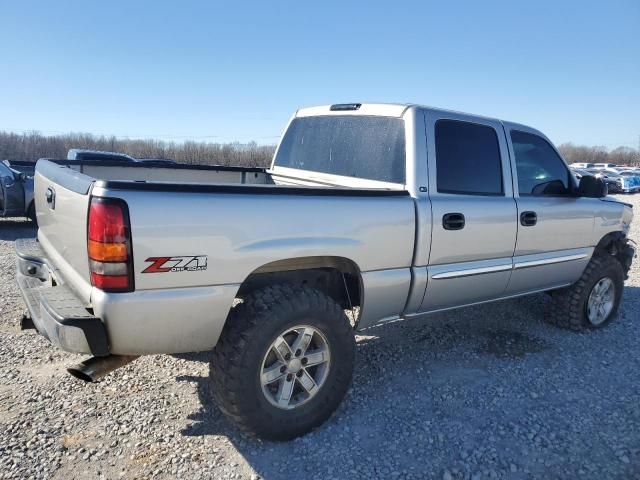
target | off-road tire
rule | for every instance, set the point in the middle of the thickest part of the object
(568, 308)
(249, 331)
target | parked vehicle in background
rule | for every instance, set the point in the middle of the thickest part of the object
(28, 168)
(97, 155)
(579, 173)
(364, 206)
(16, 191)
(615, 182)
(604, 165)
(582, 165)
(631, 180)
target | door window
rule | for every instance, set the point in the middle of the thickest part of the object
(467, 159)
(541, 171)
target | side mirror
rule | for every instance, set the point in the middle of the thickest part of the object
(592, 187)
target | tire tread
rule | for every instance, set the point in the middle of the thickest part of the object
(227, 382)
(566, 309)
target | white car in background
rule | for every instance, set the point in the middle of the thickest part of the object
(582, 165)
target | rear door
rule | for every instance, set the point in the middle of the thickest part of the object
(474, 213)
(555, 228)
(12, 196)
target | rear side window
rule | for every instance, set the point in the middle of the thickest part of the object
(467, 159)
(541, 171)
(348, 145)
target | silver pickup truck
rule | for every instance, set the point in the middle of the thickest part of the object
(369, 213)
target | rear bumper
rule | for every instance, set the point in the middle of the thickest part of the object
(55, 310)
(142, 322)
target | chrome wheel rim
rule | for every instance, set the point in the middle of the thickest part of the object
(295, 367)
(601, 299)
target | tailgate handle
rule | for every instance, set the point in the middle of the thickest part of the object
(50, 195)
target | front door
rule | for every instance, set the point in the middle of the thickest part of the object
(554, 226)
(474, 213)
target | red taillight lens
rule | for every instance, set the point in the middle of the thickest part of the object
(106, 221)
(110, 283)
(109, 245)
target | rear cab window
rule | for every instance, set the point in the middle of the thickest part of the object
(359, 146)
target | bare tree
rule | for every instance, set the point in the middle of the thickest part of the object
(32, 145)
(580, 153)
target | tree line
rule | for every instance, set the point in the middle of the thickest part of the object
(580, 153)
(32, 146)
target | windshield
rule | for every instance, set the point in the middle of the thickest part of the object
(348, 145)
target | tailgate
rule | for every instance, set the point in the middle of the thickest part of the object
(62, 201)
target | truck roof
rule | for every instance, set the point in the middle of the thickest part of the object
(393, 110)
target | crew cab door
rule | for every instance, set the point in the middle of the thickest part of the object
(12, 192)
(555, 228)
(474, 213)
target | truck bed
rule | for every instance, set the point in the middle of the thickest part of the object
(236, 221)
(197, 177)
(178, 173)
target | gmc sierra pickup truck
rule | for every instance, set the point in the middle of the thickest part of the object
(388, 211)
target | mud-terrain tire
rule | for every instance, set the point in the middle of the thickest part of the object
(571, 307)
(250, 352)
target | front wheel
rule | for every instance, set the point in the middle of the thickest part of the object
(593, 300)
(284, 361)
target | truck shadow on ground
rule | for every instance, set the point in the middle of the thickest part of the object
(461, 350)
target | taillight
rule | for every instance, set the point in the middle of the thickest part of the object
(109, 245)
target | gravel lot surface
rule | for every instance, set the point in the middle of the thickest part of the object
(485, 392)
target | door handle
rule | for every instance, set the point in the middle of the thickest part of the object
(528, 219)
(453, 221)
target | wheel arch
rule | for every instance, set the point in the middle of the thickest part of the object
(609, 241)
(616, 245)
(338, 277)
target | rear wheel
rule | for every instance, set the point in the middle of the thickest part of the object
(593, 300)
(284, 361)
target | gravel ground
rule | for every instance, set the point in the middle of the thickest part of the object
(485, 392)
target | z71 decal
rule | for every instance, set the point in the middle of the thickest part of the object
(176, 264)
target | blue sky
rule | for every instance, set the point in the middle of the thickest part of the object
(224, 71)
